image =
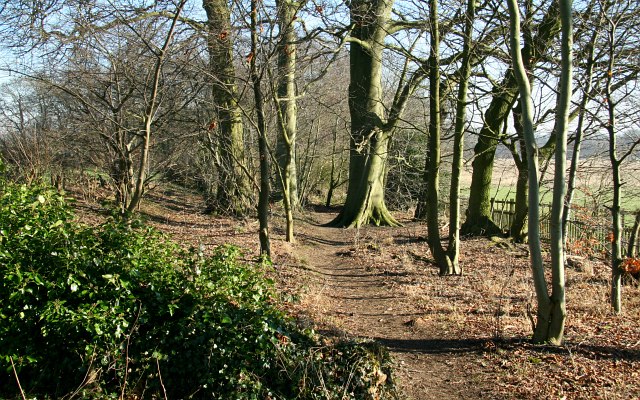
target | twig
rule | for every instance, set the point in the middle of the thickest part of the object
(126, 354)
(17, 379)
(87, 375)
(164, 390)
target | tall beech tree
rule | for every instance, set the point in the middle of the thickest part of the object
(233, 191)
(551, 308)
(287, 113)
(372, 125)
(369, 136)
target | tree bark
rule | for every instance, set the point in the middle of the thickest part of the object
(478, 216)
(233, 189)
(287, 112)
(551, 311)
(256, 81)
(369, 139)
(575, 157)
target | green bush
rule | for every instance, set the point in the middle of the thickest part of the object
(118, 310)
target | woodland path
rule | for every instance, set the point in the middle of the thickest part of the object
(367, 300)
(451, 337)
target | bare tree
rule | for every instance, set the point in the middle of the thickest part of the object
(551, 310)
(504, 95)
(233, 192)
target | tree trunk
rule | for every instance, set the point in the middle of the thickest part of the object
(518, 228)
(555, 333)
(575, 157)
(478, 216)
(453, 248)
(256, 81)
(434, 158)
(287, 112)
(286, 100)
(365, 194)
(551, 311)
(233, 186)
(616, 218)
(369, 139)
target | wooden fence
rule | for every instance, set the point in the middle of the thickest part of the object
(593, 235)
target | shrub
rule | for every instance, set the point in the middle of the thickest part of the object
(119, 311)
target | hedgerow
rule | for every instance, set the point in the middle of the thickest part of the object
(119, 311)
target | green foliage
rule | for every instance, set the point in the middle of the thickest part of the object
(119, 310)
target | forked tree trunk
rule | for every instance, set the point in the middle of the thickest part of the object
(150, 111)
(434, 158)
(233, 190)
(447, 260)
(478, 220)
(551, 311)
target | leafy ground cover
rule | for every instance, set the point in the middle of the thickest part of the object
(115, 310)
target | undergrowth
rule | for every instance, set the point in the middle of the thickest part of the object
(119, 311)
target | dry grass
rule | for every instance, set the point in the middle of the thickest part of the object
(490, 306)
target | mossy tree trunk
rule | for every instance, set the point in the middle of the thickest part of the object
(287, 111)
(233, 192)
(369, 134)
(478, 216)
(518, 149)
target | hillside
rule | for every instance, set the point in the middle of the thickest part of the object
(451, 338)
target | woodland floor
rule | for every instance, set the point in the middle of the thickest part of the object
(451, 338)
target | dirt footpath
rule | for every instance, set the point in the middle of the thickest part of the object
(369, 300)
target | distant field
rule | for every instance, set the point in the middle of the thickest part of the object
(594, 183)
